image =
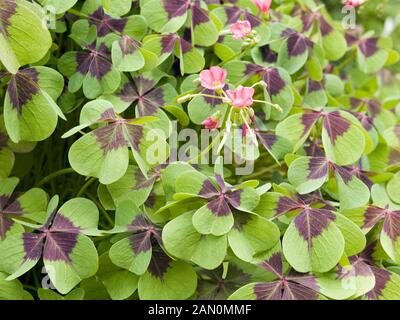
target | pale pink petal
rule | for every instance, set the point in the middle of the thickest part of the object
(263, 5)
(240, 29)
(214, 78)
(241, 97)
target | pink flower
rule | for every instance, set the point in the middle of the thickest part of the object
(241, 29)
(241, 97)
(263, 5)
(210, 123)
(352, 3)
(214, 78)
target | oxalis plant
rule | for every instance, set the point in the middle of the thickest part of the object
(199, 149)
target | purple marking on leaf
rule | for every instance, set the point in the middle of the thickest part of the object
(159, 263)
(314, 86)
(394, 156)
(366, 122)
(208, 190)
(254, 21)
(335, 125)
(14, 208)
(212, 101)
(221, 183)
(324, 26)
(3, 140)
(396, 131)
(234, 198)
(252, 69)
(199, 15)
(374, 107)
(221, 288)
(5, 225)
(391, 226)
(219, 207)
(359, 268)
(128, 93)
(143, 85)
(7, 10)
(355, 102)
(108, 115)
(151, 200)
(308, 120)
(301, 288)
(268, 55)
(268, 290)
(94, 63)
(273, 264)
(308, 281)
(128, 45)
(285, 205)
(140, 242)
(364, 177)
(372, 216)
(63, 224)
(350, 39)
(368, 252)
(286, 289)
(344, 173)
(307, 20)
(33, 245)
(318, 168)
(267, 139)
(233, 14)
(368, 47)
(150, 102)
(185, 46)
(138, 224)
(241, 220)
(59, 246)
(141, 182)
(274, 81)
(187, 35)
(135, 135)
(175, 8)
(23, 87)
(312, 222)
(105, 24)
(296, 45)
(313, 149)
(382, 277)
(110, 137)
(168, 43)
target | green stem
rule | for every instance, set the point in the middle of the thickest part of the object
(31, 288)
(101, 208)
(77, 13)
(85, 186)
(349, 59)
(261, 173)
(54, 175)
(206, 150)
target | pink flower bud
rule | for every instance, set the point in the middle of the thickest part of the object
(263, 5)
(240, 29)
(214, 78)
(352, 3)
(210, 123)
(245, 130)
(241, 97)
